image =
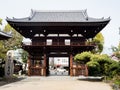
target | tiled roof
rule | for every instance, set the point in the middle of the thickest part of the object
(58, 16)
(4, 35)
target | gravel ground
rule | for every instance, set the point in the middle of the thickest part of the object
(55, 83)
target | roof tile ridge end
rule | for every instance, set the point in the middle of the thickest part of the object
(84, 12)
(32, 14)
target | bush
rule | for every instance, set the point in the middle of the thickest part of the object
(99, 64)
(116, 80)
(93, 68)
(113, 69)
(105, 62)
(83, 57)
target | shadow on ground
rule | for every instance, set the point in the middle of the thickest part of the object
(5, 81)
(91, 79)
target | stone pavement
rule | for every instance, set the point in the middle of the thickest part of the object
(55, 83)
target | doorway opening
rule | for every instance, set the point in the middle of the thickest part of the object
(59, 66)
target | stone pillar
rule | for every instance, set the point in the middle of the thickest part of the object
(9, 65)
(44, 70)
(71, 65)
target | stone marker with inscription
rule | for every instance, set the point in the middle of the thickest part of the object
(9, 65)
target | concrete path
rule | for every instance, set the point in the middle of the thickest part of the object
(55, 83)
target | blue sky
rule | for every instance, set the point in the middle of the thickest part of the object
(95, 8)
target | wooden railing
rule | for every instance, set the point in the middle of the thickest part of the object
(62, 44)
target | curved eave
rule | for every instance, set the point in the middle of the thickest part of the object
(26, 20)
(4, 36)
(89, 23)
(100, 24)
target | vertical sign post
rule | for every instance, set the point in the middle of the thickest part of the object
(9, 65)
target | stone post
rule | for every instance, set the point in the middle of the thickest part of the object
(9, 65)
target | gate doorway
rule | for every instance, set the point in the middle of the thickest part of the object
(58, 66)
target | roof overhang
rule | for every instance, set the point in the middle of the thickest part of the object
(4, 36)
(87, 29)
(58, 22)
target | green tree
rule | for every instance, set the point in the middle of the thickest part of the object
(83, 57)
(3, 50)
(93, 68)
(116, 51)
(24, 55)
(104, 61)
(114, 69)
(97, 64)
(0, 21)
(12, 43)
(16, 40)
(99, 41)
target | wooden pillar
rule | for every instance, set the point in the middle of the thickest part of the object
(29, 65)
(71, 65)
(45, 59)
(58, 43)
(86, 70)
(71, 56)
(44, 70)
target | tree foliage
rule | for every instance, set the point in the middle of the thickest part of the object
(15, 41)
(3, 50)
(115, 66)
(83, 57)
(0, 21)
(99, 41)
(25, 56)
(116, 51)
(114, 69)
(94, 68)
(99, 38)
(12, 43)
(97, 64)
(104, 62)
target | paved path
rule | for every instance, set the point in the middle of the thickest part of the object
(55, 83)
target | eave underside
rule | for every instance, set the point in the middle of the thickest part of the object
(88, 30)
(4, 36)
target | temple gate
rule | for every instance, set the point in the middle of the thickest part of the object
(57, 34)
